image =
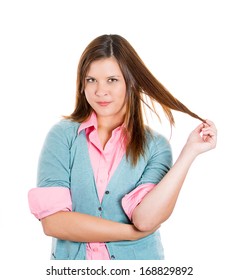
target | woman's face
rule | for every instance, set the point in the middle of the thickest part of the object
(105, 89)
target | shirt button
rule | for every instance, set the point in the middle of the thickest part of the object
(112, 257)
(100, 208)
(106, 192)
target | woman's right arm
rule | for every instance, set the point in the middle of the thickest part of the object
(53, 207)
(53, 183)
(77, 227)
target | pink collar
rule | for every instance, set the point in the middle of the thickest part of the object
(91, 121)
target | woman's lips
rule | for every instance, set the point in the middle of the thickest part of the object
(103, 103)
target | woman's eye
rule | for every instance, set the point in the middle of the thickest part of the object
(111, 80)
(90, 80)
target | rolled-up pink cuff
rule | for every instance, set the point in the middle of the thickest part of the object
(132, 199)
(46, 201)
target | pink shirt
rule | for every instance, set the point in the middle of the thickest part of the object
(48, 200)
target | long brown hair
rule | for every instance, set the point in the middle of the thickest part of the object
(140, 83)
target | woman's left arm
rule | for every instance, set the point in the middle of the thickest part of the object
(158, 204)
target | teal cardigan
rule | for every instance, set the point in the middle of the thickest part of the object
(65, 162)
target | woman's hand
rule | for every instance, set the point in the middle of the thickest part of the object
(202, 139)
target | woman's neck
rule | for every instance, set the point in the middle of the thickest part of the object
(105, 127)
(108, 124)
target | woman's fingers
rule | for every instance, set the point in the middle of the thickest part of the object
(209, 133)
(203, 137)
(209, 128)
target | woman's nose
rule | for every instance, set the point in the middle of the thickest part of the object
(101, 89)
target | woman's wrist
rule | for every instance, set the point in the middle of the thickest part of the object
(188, 154)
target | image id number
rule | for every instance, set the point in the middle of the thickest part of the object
(166, 270)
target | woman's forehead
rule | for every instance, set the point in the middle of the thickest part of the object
(105, 66)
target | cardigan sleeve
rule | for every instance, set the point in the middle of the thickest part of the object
(54, 162)
(53, 175)
(159, 163)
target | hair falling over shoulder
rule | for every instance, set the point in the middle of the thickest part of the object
(140, 83)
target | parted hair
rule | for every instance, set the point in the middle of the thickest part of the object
(141, 84)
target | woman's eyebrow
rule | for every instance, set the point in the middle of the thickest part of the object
(111, 76)
(114, 76)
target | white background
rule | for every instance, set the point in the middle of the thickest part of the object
(191, 46)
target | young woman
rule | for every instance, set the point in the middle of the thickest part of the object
(105, 180)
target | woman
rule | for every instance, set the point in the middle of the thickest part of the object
(105, 181)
